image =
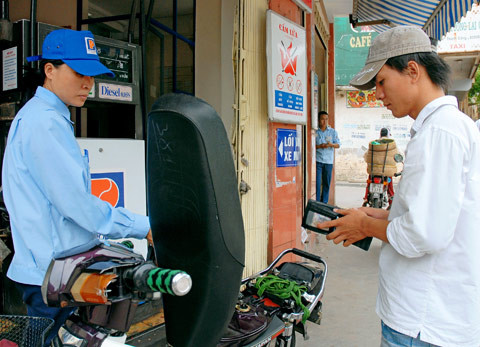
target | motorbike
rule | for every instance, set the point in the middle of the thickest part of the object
(108, 282)
(378, 188)
(197, 229)
(275, 303)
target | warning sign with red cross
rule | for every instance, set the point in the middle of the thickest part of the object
(287, 70)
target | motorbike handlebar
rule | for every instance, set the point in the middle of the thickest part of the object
(149, 278)
(307, 255)
(397, 174)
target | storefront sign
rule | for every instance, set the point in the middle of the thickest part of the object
(465, 36)
(115, 92)
(288, 151)
(362, 99)
(287, 70)
(10, 68)
(351, 49)
(109, 186)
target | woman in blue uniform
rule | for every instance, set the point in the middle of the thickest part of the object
(46, 178)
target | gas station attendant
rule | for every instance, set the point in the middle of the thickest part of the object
(46, 178)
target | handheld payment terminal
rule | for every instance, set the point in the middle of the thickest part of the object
(317, 212)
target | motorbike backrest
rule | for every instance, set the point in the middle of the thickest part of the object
(195, 215)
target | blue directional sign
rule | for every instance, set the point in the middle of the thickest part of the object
(288, 151)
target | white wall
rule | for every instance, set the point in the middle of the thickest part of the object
(356, 127)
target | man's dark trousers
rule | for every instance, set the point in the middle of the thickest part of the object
(324, 176)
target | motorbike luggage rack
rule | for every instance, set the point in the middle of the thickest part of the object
(25, 330)
(296, 315)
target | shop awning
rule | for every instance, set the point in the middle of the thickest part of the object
(436, 17)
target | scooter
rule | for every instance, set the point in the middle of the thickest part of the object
(279, 300)
(378, 191)
(106, 283)
(197, 226)
(378, 195)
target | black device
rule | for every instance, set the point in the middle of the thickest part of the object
(318, 212)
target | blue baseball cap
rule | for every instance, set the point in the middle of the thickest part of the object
(76, 49)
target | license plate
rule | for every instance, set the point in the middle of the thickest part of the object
(376, 188)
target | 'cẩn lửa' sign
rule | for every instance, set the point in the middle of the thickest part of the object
(286, 70)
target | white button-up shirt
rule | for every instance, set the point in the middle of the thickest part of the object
(430, 271)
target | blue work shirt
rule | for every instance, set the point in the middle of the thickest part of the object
(325, 155)
(46, 188)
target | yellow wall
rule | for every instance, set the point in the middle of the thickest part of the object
(253, 129)
(230, 74)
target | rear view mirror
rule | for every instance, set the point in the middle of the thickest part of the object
(398, 158)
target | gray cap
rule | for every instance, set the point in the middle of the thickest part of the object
(391, 43)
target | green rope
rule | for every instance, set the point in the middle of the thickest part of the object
(283, 289)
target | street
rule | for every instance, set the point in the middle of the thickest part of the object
(349, 317)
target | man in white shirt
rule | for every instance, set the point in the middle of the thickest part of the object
(478, 124)
(429, 278)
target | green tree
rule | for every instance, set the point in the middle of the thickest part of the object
(474, 92)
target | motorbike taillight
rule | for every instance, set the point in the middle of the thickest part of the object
(377, 180)
(92, 287)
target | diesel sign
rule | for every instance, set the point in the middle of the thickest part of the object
(114, 92)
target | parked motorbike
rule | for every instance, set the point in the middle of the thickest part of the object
(106, 282)
(197, 226)
(275, 303)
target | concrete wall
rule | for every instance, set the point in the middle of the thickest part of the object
(214, 81)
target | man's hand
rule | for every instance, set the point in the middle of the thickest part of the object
(356, 224)
(324, 145)
(149, 237)
(377, 213)
(348, 228)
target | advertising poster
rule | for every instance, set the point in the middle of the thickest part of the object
(286, 70)
(362, 98)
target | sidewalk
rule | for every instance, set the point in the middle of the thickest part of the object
(349, 318)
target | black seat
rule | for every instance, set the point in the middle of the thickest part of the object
(195, 216)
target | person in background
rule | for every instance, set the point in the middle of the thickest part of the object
(46, 178)
(326, 140)
(384, 134)
(429, 278)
